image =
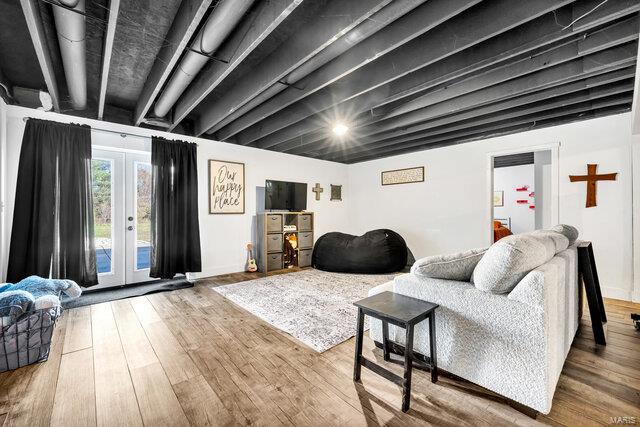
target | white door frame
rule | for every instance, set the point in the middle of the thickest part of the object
(118, 256)
(635, 168)
(133, 274)
(554, 147)
(123, 205)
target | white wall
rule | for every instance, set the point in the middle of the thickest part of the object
(449, 211)
(542, 165)
(223, 237)
(3, 145)
(507, 179)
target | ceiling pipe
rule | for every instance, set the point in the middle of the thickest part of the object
(70, 26)
(220, 23)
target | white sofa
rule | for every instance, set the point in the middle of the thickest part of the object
(514, 343)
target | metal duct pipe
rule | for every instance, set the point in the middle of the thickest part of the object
(220, 23)
(71, 28)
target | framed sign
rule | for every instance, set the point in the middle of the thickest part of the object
(226, 187)
(403, 176)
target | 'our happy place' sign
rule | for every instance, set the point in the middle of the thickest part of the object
(226, 187)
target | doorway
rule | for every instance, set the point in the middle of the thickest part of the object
(121, 185)
(524, 191)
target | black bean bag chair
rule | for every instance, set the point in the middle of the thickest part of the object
(375, 252)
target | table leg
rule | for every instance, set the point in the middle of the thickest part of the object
(385, 340)
(408, 367)
(432, 347)
(359, 332)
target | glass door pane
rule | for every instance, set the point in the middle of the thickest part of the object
(102, 184)
(143, 215)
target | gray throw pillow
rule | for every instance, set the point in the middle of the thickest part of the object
(508, 260)
(567, 231)
(560, 241)
(458, 266)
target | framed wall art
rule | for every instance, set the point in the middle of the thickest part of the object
(402, 176)
(226, 187)
(498, 199)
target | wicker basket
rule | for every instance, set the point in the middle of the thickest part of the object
(27, 340)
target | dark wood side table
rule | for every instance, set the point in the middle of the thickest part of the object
(405, 312)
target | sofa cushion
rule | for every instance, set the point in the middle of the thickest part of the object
(567, 231)
(508, 260)
(458, 266)
(560, 241)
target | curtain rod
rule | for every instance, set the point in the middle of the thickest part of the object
(122, 134)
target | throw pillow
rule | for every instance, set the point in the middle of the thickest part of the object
(508, 260)
(560, 241)
(458, 266)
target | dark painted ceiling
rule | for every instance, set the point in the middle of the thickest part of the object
(402, 75)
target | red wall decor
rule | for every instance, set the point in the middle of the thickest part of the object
(522, 202)
(532, 194)
(532, 207)
(523, 188)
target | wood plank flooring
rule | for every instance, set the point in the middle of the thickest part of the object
(191, 357)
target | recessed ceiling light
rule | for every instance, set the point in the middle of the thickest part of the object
(340, 129)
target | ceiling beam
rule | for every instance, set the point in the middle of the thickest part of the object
(389, 37)
(494, 108)
(182, 29)
(511, 114)
(348, 42)
(615, 101)
(252, 31)
(467, 29)
(555, 77)
(114, 8)
(548, 29)
(411, 111)
(497, 131)
(337, 19)
(39, 39)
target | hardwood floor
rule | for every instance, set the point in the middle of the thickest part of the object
(192, 357)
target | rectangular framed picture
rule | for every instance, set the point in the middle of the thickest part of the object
(498, 199)
(402, 176)
(226, 187)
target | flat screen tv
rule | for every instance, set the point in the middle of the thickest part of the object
(288, 196)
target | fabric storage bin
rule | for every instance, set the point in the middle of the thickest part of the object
(27, 339)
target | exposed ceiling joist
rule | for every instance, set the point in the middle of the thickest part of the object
(477, 24)
(338, 18)
(555, 77)
(251, 33)
(623, 100)
(114, 8)
(563, 102)
(494, 108)
(39, 39)
(182, 29)
(297, 80)
(389, 37)
(548, 29)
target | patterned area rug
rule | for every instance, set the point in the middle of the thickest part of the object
(314, 306)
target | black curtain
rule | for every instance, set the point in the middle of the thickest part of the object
(53, 212)
(175, 233)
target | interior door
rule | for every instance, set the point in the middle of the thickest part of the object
(121, 207)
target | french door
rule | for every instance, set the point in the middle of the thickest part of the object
(122, 216)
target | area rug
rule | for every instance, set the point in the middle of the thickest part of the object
(314, 306)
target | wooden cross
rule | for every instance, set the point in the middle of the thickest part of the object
(317, 189)
(592, 178)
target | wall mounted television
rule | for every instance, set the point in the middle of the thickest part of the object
(288, 196)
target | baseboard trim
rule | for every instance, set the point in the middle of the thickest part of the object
(616, 293)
